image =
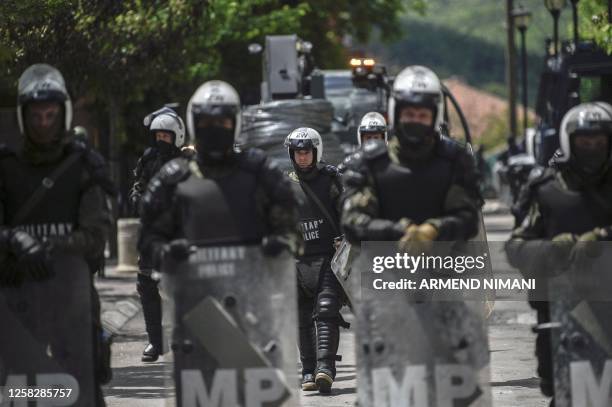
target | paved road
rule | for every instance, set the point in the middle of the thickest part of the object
(513, 381)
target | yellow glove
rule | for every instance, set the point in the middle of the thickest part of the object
(418, 238)
(587, 249)
(426, 232)
(560, 249)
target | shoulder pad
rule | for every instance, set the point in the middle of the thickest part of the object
(450, 148)
(330, 170)
(352, 161)
(93, 158)
(96, 166)
(253, 158)
(374, 149)
(354, 178)
(355, 168)
(6, 151)
(538, 176)
(76, 146)
(174, 171)
(149, 153)
(348, 160)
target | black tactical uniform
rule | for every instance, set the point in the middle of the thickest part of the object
(74, 216)
(386, 192)
(561, 202)
(54, 204)
(148, 165)
(242, 200)
(320, 296)
(567, 203)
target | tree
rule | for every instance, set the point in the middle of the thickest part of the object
(595, 22)
(122, 52)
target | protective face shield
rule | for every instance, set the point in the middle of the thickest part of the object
(213, 119)
(585, 138)
(416, 89)
(41, 87)
(372, 123)
(304, 138)
(168, 121)
(43, 123)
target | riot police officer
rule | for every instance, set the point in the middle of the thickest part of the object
(391, 193)
(54, 203)
(373, 126)
(320, 296)
(168, 133)
(249, 199)
(569, 202)
(222, 197)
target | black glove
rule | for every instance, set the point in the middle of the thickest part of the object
(178, 249)
(30, 254)
(10, 274)
(273, 245)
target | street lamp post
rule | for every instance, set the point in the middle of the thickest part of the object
(575, 19)
(522, 18)
(511, 73)
(555, 7)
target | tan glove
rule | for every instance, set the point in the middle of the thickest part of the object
(587, 248)
(418, 238)
(426, 232)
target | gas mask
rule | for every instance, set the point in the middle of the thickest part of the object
(413, 135)
(165, 149)
(590, 161)
(214, 142)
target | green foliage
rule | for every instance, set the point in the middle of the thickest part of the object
(124, 53)
(451, 53)
(468, 39)
(594, 22)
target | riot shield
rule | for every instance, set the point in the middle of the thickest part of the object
(46, 344)
(341, 265)
(234, 327)
(581, 332)
(416, 351)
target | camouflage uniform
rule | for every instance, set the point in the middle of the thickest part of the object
(457, 217)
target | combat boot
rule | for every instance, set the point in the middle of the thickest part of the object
(308, 382)
(326, 373)
(308, 356)
(151, 353)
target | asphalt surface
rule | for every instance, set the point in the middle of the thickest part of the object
(135, 384)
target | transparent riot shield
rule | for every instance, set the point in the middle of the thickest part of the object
(235, 327)
(581, 331)
(414, 349)
(46, 341)
(341, 265)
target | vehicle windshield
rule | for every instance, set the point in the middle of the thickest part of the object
(338, 85)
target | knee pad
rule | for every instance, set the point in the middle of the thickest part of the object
(328, 306)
